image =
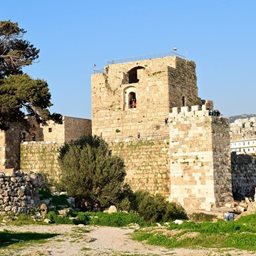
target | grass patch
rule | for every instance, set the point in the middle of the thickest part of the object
(118, 219)
(19, 220)
(239, 234)
(8, 238)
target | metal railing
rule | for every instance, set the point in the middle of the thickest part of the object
(139, 58)
(147, 57)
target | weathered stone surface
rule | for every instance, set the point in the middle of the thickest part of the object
(18, 195)
(243, 175)
(147, 164)
(199, 159)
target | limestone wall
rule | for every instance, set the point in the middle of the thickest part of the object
(72, 128)
(9, 147)
(243, 175)
(199, 162)
(76, 127)
(18, 193)
(146, 164)
(161, 83)
(40, 157)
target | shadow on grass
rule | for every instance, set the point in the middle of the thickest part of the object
(7, 237)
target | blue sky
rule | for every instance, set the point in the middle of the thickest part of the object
(219, 35)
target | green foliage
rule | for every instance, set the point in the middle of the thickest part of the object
(82, 218)
(44, 193)
(20, 94)
(18, 220)
(60, 200)
(57, 219)
(156, 208)
(91, 174)
(15, 52)
(118, 219)
(239, 234)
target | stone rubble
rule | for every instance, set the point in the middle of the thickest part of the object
(18, 192)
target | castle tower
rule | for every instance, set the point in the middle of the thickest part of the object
(130, 109)
(133, 99)
(200, 167)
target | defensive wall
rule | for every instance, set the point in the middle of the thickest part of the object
(41, 157)
(146, 163)
(45, 153)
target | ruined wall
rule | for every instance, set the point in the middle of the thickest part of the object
(146, 164)
(40, 157)
(9, 147)
(199, 159)
(2, 150)
(18, 193)
(72, 128)
(160, 85)
(243, 175)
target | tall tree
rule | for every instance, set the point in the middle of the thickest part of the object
(20, 95)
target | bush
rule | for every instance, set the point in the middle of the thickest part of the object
(156, 208)
(92, 175)
(82, 218)
(44, 193)
(54, 218)
(60, 200)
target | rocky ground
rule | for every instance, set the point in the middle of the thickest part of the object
(83, 240)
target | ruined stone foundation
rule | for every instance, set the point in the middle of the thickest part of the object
(18, 193)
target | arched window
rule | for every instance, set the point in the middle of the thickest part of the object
(130, 97)
(183, 101)
(133, 75)
(132, 100)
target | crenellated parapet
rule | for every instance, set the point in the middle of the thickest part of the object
(196, 111)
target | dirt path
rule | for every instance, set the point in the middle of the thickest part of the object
(93, 241)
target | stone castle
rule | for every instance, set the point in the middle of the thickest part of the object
(149, 112)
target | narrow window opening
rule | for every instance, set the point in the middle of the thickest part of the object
(183, 101)
(50, 129)
(132, 100)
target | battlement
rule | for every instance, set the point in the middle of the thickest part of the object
(197, 110)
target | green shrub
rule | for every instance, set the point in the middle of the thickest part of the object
(82, 218)
(54, 218)
(45, 193)
(60, 200)
(156, 208)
